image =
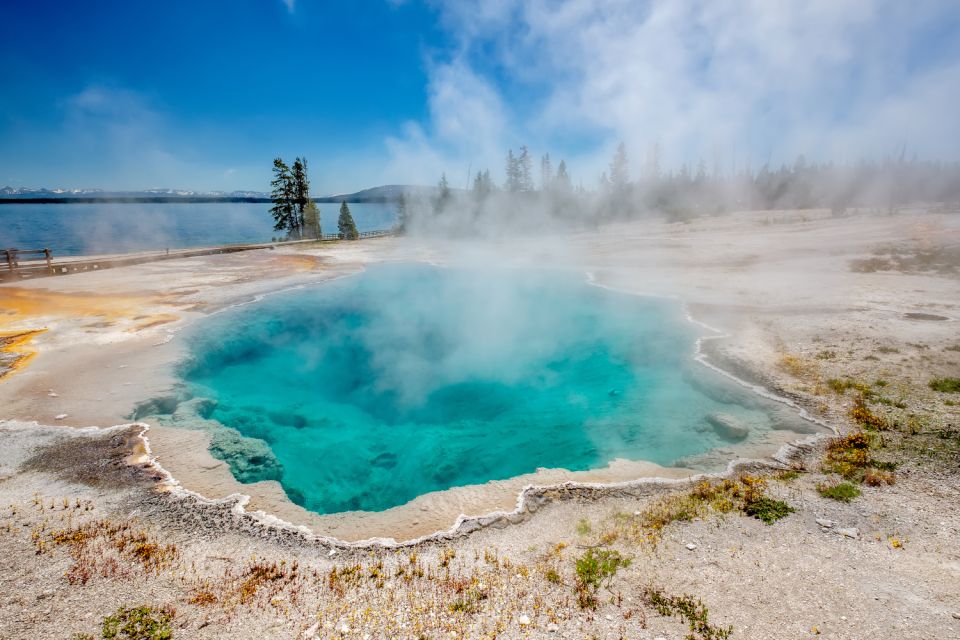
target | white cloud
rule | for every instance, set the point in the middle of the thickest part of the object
(748, 80)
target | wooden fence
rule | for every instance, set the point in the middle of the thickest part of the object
(37, 263)
(27, 260)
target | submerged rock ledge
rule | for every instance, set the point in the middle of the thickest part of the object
(231, 511)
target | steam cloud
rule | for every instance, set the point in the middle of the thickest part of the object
(726, 80)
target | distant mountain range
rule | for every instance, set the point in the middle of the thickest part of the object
(22, 195)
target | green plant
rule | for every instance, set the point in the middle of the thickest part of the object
(788, 476)
(138, 623)
(595, 568)
(862, 414)
(767, 509)
(842, 491)
(689, 609)
(583, 527)
(945, 385)
(849, 456)
(552, 576)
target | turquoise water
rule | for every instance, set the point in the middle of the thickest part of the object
(377, 388)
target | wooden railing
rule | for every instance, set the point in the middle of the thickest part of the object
(27, 260)
(34, 263)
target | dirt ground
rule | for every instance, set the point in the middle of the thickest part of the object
(812, 308)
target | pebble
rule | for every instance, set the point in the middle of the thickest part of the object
(691, 546)
(523, 620)
(553, 628)
(826, 524)
(60, 416)
(852, 532)
(332, 553)
(956, 615)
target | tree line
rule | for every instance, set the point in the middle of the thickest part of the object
(678, 194)
(295, 212)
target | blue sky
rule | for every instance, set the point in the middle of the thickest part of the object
(203, 94)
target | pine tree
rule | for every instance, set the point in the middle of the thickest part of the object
(443, 194)
(513, 173)
(311, 220)
(345, 224)
(301, 193)
(282, 195)
(525, 170)
(546, 173)
(619, 170)
(562, 181)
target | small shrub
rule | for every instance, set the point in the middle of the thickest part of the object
(849, 456)
(878, 478)
(595, 568)
(899, 404)
(689, 609)
(767, 509)
(945, 385)
(138, 623)
(553, 576)
(583, 527)
(788, 476)
(797, 366)
(843, 491)
(826, 354)
(888, 350)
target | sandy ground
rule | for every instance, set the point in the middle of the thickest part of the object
(777, 283)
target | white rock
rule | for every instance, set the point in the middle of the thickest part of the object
(523, 620)
(60, 416)
(52, 394)
(826, 524)
(344, 628)
(956, 615)
(332, 553)
(728, 427)
(691, 546)
(553, 628)
(851, 532)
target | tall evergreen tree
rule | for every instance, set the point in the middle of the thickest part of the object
(525, 170)
(546, 173)
(301, 191)
(443, 194)
(562, 181)
(311, 220)
(282, 194)
(345, 224)
(513, 173)
(619, 170)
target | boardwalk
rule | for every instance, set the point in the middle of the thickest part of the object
(18, 264)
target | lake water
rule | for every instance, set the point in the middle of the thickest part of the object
(363, 393)
(84, 229)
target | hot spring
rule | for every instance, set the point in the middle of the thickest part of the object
(368, 391)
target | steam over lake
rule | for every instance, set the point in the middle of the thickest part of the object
(83, 229)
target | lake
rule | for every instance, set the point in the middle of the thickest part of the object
(86, 229)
